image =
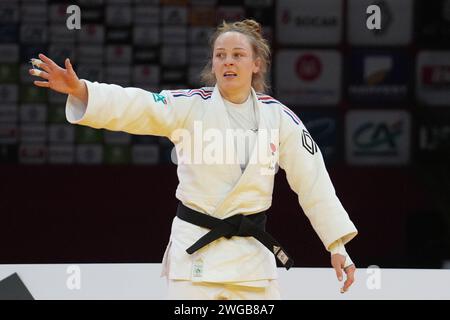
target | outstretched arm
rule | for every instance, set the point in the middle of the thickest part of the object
(112, 107)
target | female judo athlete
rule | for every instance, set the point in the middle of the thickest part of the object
(230, 138)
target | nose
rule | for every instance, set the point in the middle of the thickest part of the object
(228, 62)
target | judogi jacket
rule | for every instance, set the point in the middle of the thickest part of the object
(209, 182)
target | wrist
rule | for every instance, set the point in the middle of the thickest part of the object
(338, 248)
(80, 92)
(78, 89)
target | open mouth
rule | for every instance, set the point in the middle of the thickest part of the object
(230, 75)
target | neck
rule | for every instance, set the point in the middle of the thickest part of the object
(236, 97)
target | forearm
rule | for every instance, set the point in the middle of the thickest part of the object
(130, 109)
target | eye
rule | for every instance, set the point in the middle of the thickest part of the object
(238, 55)
(220, 55)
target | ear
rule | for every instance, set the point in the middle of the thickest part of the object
(257, 65)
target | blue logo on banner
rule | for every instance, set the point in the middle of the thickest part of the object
(378, 76)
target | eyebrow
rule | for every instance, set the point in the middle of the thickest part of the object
(233, 48)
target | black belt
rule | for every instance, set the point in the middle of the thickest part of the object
(238, 225)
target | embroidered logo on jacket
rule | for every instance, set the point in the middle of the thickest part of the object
(159, 98)
(308, 142)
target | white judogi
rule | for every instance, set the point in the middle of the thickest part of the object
(222, 190)
(243, 116)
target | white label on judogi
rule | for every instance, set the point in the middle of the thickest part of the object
(197, 270)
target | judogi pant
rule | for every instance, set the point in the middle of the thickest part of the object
(188, 290)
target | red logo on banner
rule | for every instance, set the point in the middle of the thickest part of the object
(309, 67)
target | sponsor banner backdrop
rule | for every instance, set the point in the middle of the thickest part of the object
(396, 23)
(378, 137)
(433, 78)
(308, 77)
(433, 23)
(312, 22)
(379, 76)
(325, 130)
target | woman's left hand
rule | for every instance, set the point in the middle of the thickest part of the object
(338, 263)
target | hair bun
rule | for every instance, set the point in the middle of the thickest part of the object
(252, 25)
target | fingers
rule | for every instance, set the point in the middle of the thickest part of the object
(337, 261)
(39, 73)
(338, 268)
(45, 67)
(48, 61)
(350, 271)
(44, 84)
(69, 67)
(35, 62)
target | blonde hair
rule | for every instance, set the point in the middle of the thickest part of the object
(260, 46)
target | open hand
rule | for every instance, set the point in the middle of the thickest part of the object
(58, 79)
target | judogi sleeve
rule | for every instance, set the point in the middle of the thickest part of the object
(131, 110)
(307, 175)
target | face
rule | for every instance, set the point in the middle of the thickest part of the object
(233, 62)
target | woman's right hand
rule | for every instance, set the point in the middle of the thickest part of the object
(60, 79)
